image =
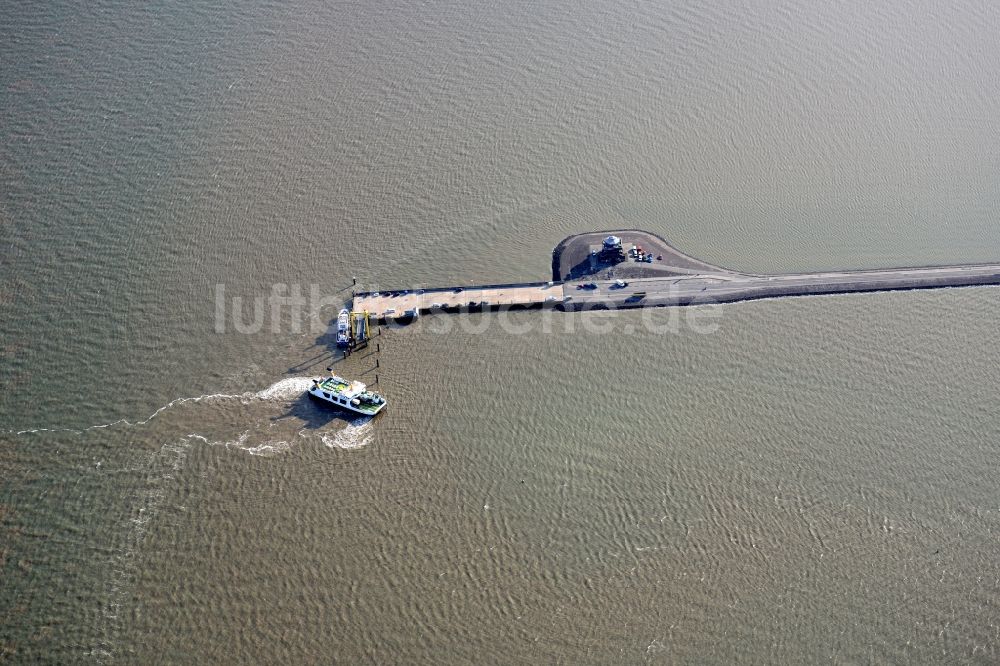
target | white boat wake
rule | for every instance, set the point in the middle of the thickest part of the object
(253, 423)
(285, 389)
(260, 439)
(356, 435)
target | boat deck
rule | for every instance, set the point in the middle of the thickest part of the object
(333, 385)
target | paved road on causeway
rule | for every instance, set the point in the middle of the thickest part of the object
(728, 287)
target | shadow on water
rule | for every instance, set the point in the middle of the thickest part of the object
(313, 414)
(331, 354)
(328, 355)
(324, 358)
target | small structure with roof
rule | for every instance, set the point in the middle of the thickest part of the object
(611, 251)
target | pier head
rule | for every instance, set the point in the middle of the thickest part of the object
(594, 255)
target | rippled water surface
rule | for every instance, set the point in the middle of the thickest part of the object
(795, 480)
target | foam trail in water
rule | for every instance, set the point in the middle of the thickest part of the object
(356, 435)
(263, 449)
(284, 389)
(160, 468)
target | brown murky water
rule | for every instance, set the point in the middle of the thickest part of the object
(781, 481)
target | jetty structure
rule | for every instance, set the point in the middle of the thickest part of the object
(636, 269)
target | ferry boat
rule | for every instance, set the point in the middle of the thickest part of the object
(352, 396)
(344, 328)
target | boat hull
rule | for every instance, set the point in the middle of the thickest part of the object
(344, 328)
(317, 394)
